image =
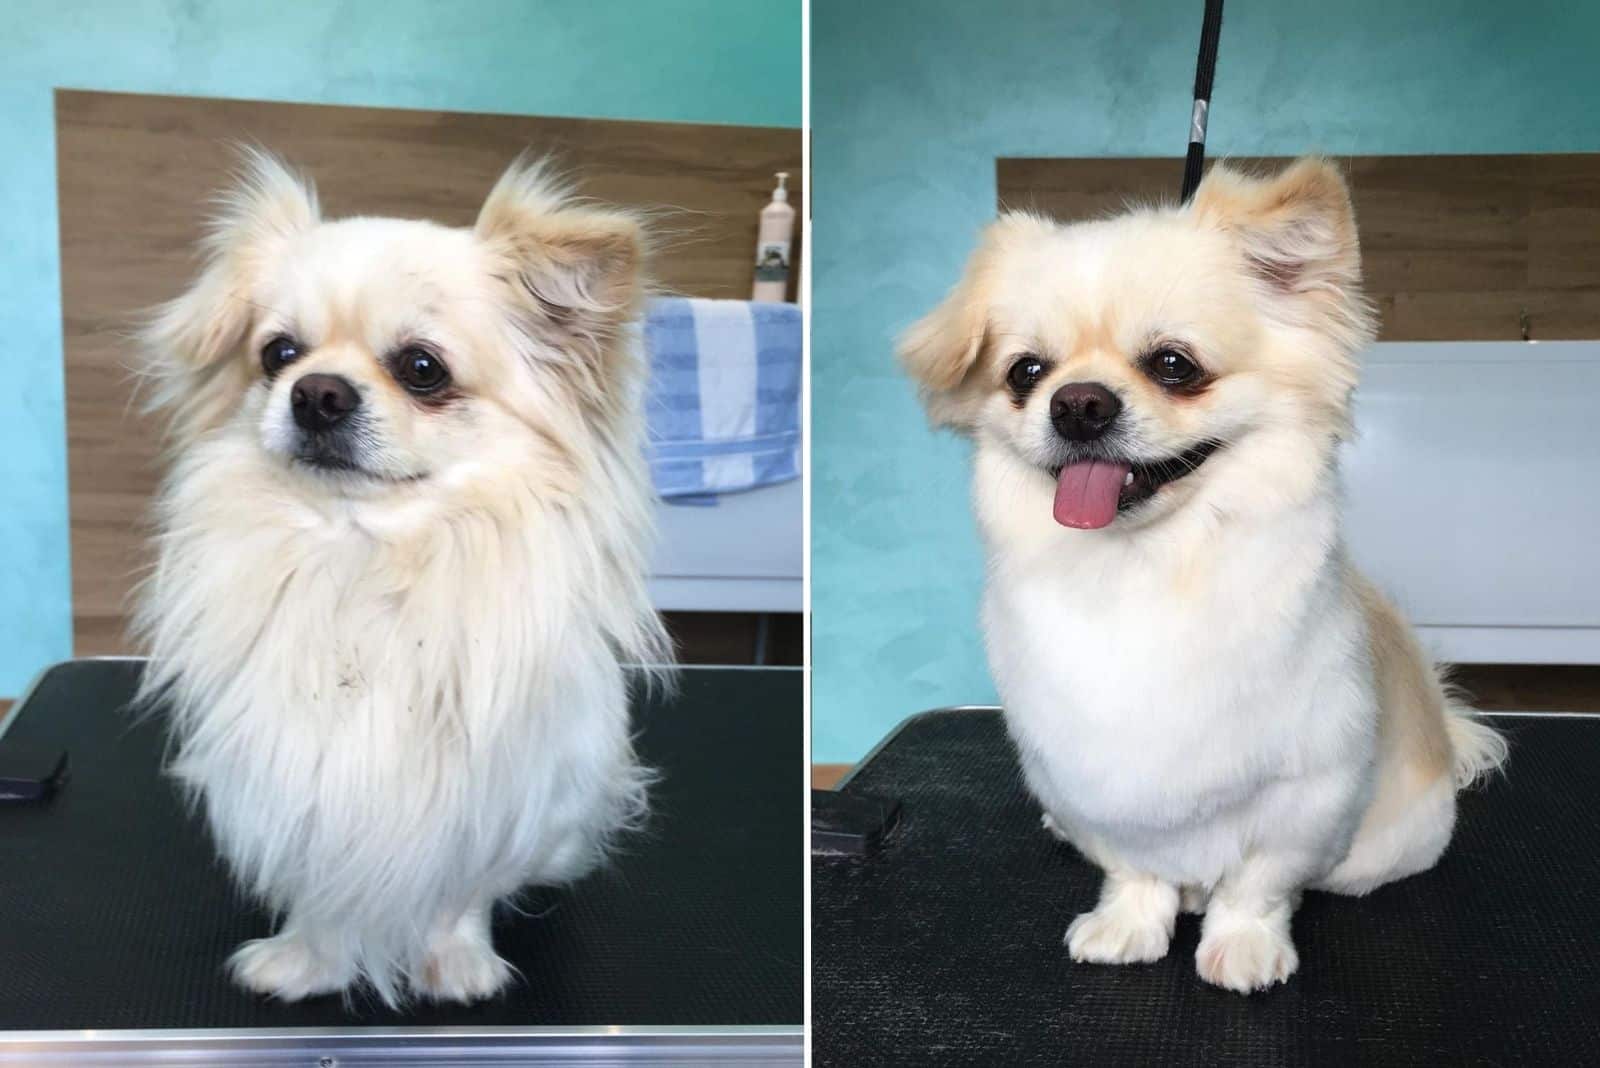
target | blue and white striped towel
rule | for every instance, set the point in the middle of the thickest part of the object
(724, 397)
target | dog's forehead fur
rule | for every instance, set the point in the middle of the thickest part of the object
(1113, 286)
(369, 279)
(387, 249)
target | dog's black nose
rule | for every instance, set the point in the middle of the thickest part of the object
(321, 402)
(1081, 411)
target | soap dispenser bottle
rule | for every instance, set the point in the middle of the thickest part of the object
(773, 241)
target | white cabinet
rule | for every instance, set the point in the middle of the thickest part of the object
(1474, 495)
(743, 554)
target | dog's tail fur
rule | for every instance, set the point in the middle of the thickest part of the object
(1479, 750)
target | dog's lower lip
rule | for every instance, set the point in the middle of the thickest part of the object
(1144, 478)
(338, 466)
(323, 461)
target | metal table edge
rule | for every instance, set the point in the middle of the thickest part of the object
(334, 1045)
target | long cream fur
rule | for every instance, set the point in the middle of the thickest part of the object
(400, 695)
(1208, 700)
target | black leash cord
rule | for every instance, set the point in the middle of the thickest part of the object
(1205, 69)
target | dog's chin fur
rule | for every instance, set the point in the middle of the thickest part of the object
(399, 692)
(1207, 699)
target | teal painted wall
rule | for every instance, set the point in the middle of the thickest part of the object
(912, 102)
(721, 61)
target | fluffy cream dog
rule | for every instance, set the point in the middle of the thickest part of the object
(402, 563)
(1207, 699)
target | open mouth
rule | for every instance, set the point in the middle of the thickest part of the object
(1091, 493)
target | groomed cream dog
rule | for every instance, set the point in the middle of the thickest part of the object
(401, 566)
(1207, 699)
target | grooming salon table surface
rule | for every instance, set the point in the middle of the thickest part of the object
(946, 946)
(115, 916)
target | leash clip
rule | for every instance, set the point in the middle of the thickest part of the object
(1197, 122)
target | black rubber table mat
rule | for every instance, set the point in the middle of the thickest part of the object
(114, 912)
(946, 947)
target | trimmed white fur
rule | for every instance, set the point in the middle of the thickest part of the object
(1207, 699)
(398, 692)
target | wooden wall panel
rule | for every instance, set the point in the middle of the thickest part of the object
(134, 175)
(1455, 247)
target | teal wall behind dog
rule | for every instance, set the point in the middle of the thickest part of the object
(719, 61)
(912, 102)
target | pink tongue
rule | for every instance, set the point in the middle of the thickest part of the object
(1086, 493)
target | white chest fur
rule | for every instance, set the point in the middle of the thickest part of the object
(1161, 685)
(389, 713)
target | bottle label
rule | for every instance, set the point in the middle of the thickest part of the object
(772, 261)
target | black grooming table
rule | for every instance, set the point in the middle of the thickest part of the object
(116, 917)
(946, 946)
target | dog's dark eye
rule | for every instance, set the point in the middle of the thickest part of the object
(279, 353)
(1025, 373)
(1171, 367)
(420, 370)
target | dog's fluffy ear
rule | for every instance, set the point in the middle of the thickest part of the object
(941, 350)
(1297, 230)
(576, 270)
(188, 341)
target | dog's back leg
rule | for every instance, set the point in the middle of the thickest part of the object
(1429, 746)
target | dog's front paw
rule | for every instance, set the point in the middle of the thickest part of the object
(287, 968)
(462, 969)
(1245, 957)
(1114, 934)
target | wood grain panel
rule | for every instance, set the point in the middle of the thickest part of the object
(135, 174)
(1530, 687)
(736, 637)
(827, 776)
(1454, 247)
